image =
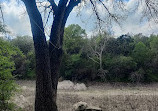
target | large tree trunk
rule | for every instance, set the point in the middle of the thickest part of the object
(55, 45)
(44, 97)
(56, 53)
(48, 59)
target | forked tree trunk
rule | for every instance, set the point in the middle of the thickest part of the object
(48, 58)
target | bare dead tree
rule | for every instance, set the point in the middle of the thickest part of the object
(95, 48)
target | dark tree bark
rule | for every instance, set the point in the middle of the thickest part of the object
(44, 98)
(48, 57)
(55, 45)
(56, 39)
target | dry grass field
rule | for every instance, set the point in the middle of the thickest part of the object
(109, 97)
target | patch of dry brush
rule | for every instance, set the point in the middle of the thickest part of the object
(112, 99)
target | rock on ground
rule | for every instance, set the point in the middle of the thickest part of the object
(80, 106)
(69, 85)
(66, 85)
(80, 87)
(83, 106)
(93, 108)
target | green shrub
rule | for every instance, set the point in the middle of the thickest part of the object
(137, 76)
(120, 67)
(7, 83)
(141, 54)
(25, 62)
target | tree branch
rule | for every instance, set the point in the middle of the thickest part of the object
(69, 8)
(1, 13)
(151, 9)
(110, 14)
(96, 13)
(54, 6)
(47, 18)
(93, 60)
(57, 24)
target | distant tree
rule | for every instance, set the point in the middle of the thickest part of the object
(95, 51)
(24, 43)
(95, 48)
(74, 40)
(125, 45)
(140, 53)
(25, 65)
(153, 69)
(112, 47)
(120, 68)
(141, 38)
(74, 37)
(154, 44)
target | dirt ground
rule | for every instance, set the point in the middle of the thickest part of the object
(109, 97)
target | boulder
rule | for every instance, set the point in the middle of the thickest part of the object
(69, 85)
(79, 87)
(83, 106)
(66, 85)
(93, 108)
(80, 106)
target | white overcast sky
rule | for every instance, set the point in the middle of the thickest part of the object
(18, 23)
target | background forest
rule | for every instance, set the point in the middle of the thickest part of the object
(101, 57)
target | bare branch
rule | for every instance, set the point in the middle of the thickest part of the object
(110, 14)
(1, 14)
(54, 6)
(47, 18)
(93, 60)
(151, 10)
(96, 13)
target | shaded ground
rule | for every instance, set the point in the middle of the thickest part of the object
(109, 97)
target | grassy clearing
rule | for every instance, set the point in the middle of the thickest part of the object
(110, 97)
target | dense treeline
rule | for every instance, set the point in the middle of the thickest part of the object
(99, 58)
(25, 65)
(105, 58)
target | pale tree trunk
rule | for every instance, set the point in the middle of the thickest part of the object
(100, 61)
